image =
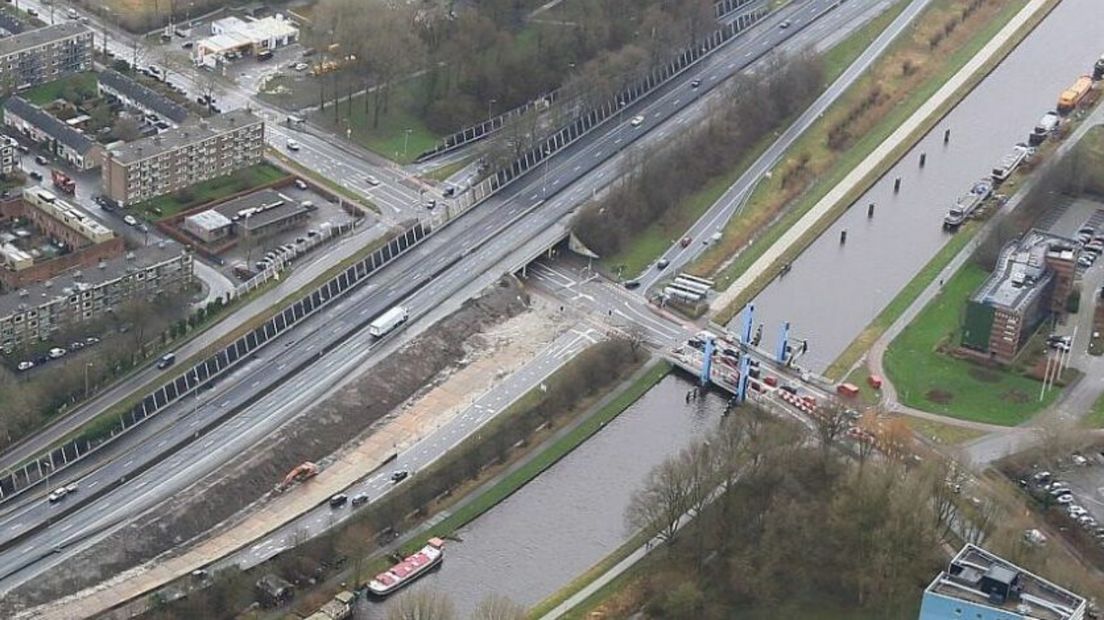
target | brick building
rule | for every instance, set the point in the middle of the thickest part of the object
(1032, 281)
(42, 236)
(42, 127)
(176, 159)
(43, 55)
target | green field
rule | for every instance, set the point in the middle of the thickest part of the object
(44, 94)
(401, 135)
(208, 191)
(927, 379)
(1095, 417)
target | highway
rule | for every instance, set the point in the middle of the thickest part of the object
(719, 214)
(444, 267)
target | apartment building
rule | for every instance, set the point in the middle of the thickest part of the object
(42, 127)
(979, 585)
(8, 160)
(176, 159)
(43, 55)
(37, 311)
(1032, 280)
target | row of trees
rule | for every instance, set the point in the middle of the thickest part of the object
(482, 58)
(752, 108)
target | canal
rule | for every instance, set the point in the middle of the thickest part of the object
(572, 515)
(834, 290)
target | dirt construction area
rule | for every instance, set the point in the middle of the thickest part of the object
(423, 384)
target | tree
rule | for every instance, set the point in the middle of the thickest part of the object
(126, 129)
(658, 506)
(831, 422)
(422, 604)
(497, 607)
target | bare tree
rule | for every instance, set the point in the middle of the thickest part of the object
(423, 604)
(831, 422)
(498, 607)
(665, 497)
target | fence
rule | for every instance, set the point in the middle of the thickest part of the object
(478, 132)
(583, 124)
(44, 465)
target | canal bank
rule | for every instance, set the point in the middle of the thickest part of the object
(852, 282)
(571, 515)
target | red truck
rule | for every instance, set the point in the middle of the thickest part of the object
(63, 182)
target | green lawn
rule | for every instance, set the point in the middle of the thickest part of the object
(945, 434)
(41, 95)
(931, 381)
(1095, 417)
(208, 191)
(401, 135)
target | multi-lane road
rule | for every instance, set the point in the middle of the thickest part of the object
(450, 265)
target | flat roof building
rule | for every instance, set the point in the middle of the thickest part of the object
(263, 213)
(208, 226)
(135, 95)
(43, 55)
(36, 311)
(1032, 280)
(197, 151)
(232, 36)
(979, 585)
(60, 137)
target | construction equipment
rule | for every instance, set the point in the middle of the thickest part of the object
(304, 471)
(63, 182)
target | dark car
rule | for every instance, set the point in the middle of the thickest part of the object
(399, 475)
(35, 174)
(360, 499)
(338, 500)
(695, 83)
(632, 284)
(40, 160)
(662, 264)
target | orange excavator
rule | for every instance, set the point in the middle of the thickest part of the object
(304, 471)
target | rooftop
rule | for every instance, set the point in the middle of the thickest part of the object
(975, 576)
(209, 220)
(48, 123)
(40, 36)
(1021, 271)
(146, 97)
(260, 208)
(81, 278)
(189, 133)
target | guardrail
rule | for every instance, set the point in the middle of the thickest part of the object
(41, 467)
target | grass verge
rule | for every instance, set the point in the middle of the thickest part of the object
(592, 573)
(400, 135)
(654, 240)
(901, 302)
(943, 434)
(444, 172)
(814, 142)
(927, 379)
(44, 94)
(1095, 417)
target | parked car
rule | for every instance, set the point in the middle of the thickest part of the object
(130, 221)
(56, 352)
(632, 284)
(26, 365)
(35, 174)
(91, 340)
(292, 145)
(301, 184)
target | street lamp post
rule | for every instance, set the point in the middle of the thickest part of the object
(547, 156)
(489, 104)
(406, 139)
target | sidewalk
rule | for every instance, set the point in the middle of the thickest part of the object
(898, 139)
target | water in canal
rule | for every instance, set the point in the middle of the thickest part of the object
(572, 515)
(834, 290)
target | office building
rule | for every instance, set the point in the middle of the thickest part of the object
(979, 585)
(1032, 281)
(197, 151)
(43, 55)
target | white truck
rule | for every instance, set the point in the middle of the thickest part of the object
(387, 321)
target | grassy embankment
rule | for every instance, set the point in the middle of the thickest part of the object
(929, 379)
(899, 94)
(654, 240)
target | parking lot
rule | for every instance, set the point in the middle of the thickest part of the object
(1075, 486)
